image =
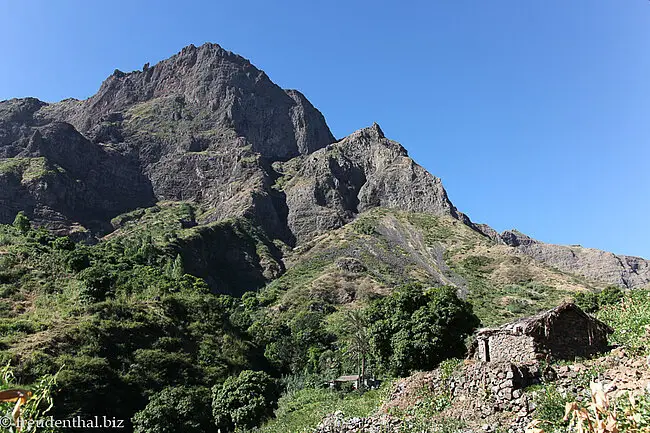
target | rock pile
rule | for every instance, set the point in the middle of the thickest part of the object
(338, 423)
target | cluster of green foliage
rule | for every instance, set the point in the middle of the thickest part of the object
(592, 301)
(416, 329)
(551, 405)
(244, 401)
(630, 318)
(122, 317)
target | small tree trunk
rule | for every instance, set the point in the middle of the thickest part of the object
(362, 376)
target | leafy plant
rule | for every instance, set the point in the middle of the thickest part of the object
(176, 409)
(244, 401)
(414, 328)
(39, 403)
(602, 415)
(22, 223)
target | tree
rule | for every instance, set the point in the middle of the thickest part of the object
(415, 328)
(177, 270)
(176, 409)
(358, 340)
(21, 222)
(244, 401)
(63, 243)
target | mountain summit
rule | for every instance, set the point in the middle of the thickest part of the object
(207, 128)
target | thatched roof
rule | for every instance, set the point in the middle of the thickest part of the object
(543, 321)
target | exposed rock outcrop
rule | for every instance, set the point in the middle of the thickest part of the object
(596, 265)
(201, 126)
(365, 170)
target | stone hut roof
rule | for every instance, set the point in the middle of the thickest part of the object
(350, 378)
(542, 321)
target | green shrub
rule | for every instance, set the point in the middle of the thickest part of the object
(77, 260)
(593, 301)
(551, 405)
(22, 223)
(416, 329)
(629, 318)
(178, 409)
(610, 295)
(63, 243)
(244, 401)
(587, 301)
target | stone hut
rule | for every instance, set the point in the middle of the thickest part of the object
(565, 332)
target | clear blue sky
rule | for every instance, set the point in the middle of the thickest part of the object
(535, 114)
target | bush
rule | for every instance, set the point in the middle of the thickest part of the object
(610, 295)
(592, 302)
(630, 319)
(77, 260)
(244, 401)
(179, 409)
(97, 283)
(414, 329)
(63, 243)
(587, 301)
(21, 222)
(551, 406)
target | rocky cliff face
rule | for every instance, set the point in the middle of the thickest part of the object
(58, 176)
(201, 126)
(328, 188)
(596, 265)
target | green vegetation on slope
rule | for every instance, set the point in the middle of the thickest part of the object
(142, 315)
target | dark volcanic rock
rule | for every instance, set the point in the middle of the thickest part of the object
(59, 177)
(202, 126)
(209, 89)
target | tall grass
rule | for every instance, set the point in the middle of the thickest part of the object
(630, 319)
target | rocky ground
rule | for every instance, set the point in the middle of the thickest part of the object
(620, 371)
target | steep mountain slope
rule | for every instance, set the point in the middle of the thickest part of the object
(200, 126)
(208, 128)
(365, 170)
(384, 248)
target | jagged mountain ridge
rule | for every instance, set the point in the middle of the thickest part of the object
(203, 126)
(208, 127)
(620, 270)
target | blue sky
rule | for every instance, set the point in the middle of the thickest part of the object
(535, 114)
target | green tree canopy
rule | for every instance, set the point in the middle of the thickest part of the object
(176, 409)
(416, 329)
(244, 401)
(21, 222)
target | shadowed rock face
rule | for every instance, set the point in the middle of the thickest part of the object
(60, 178)
(200, 126)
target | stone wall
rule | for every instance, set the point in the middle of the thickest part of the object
(504, 346)
(483, 389)
(493, 386)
